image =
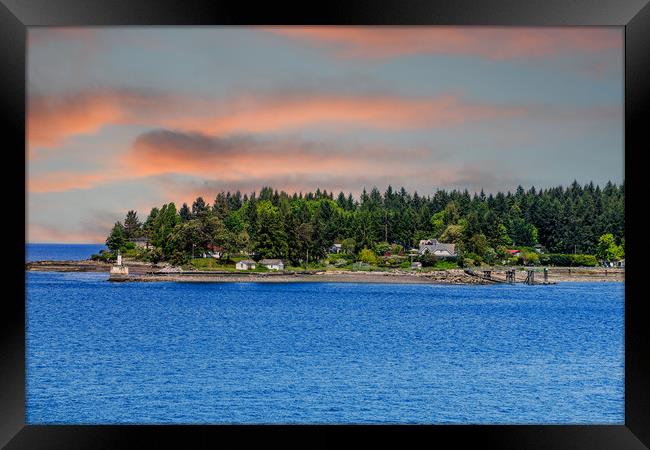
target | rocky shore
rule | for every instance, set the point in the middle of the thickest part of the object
(141, 271)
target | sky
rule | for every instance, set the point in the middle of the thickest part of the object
(124, 118)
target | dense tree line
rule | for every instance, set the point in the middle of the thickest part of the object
(300, 227)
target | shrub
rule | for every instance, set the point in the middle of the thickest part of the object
(568, 260)
(470, 259)
(381, 248)
(368, 256)
(449, 263)
(585, 260)
(104, 256)
(428, 259)
(528, 258)
(179, 258)
(396, 249)
(392, 261)
(360, 266)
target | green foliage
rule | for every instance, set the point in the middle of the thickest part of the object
(270, 238)
(132, 225)
(528, 258)
(382, 247)
(348, 246)
(117, 238)
(185, 213)
(428, 259)
(584, 260)
(607, 250)
(568, 260)
(446, 264)
(470, 259)
(438, 224)
(104, 256)
(302, 227)
(368, 256)
(362, 266)
(452, 234)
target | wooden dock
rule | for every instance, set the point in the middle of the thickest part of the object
(510, 276)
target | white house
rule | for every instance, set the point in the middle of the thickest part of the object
(437, 248)
(273, 264)
(336, 248)
(214, 251)
(245, 264)
(416, 265)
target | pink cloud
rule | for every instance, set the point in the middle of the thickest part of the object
(52, 120)
(492, 43)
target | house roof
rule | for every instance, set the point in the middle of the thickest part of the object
(246, 261)
(215, 248)
(434, 246)
(513, 251)
(271, 261)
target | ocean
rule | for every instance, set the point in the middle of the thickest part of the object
(320, 353)
(59, 252)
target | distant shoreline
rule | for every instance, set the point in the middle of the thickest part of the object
(147, 272)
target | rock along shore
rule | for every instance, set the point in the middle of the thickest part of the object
(140, 271)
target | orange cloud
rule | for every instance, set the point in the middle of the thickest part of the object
(233, 158)
(292, 111)
(52, 120)
(492, 43)
(68, 180)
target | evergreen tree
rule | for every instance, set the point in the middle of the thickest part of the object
(116, 240)
(185, 213)
(199, 208)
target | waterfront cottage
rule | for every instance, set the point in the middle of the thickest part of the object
(336, 248)
(214, 251)
(513, 252)
(245, 264)
(273, 264)
(437, 248)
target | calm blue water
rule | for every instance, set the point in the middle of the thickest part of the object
(100, 352)
(61, 252)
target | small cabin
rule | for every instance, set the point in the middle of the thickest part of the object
(214, 251)
(273, 264)
(246, 264)
(416, 265)
(336, 248)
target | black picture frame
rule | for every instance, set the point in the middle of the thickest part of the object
(17, 15)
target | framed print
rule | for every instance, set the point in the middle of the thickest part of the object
(417, 219)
